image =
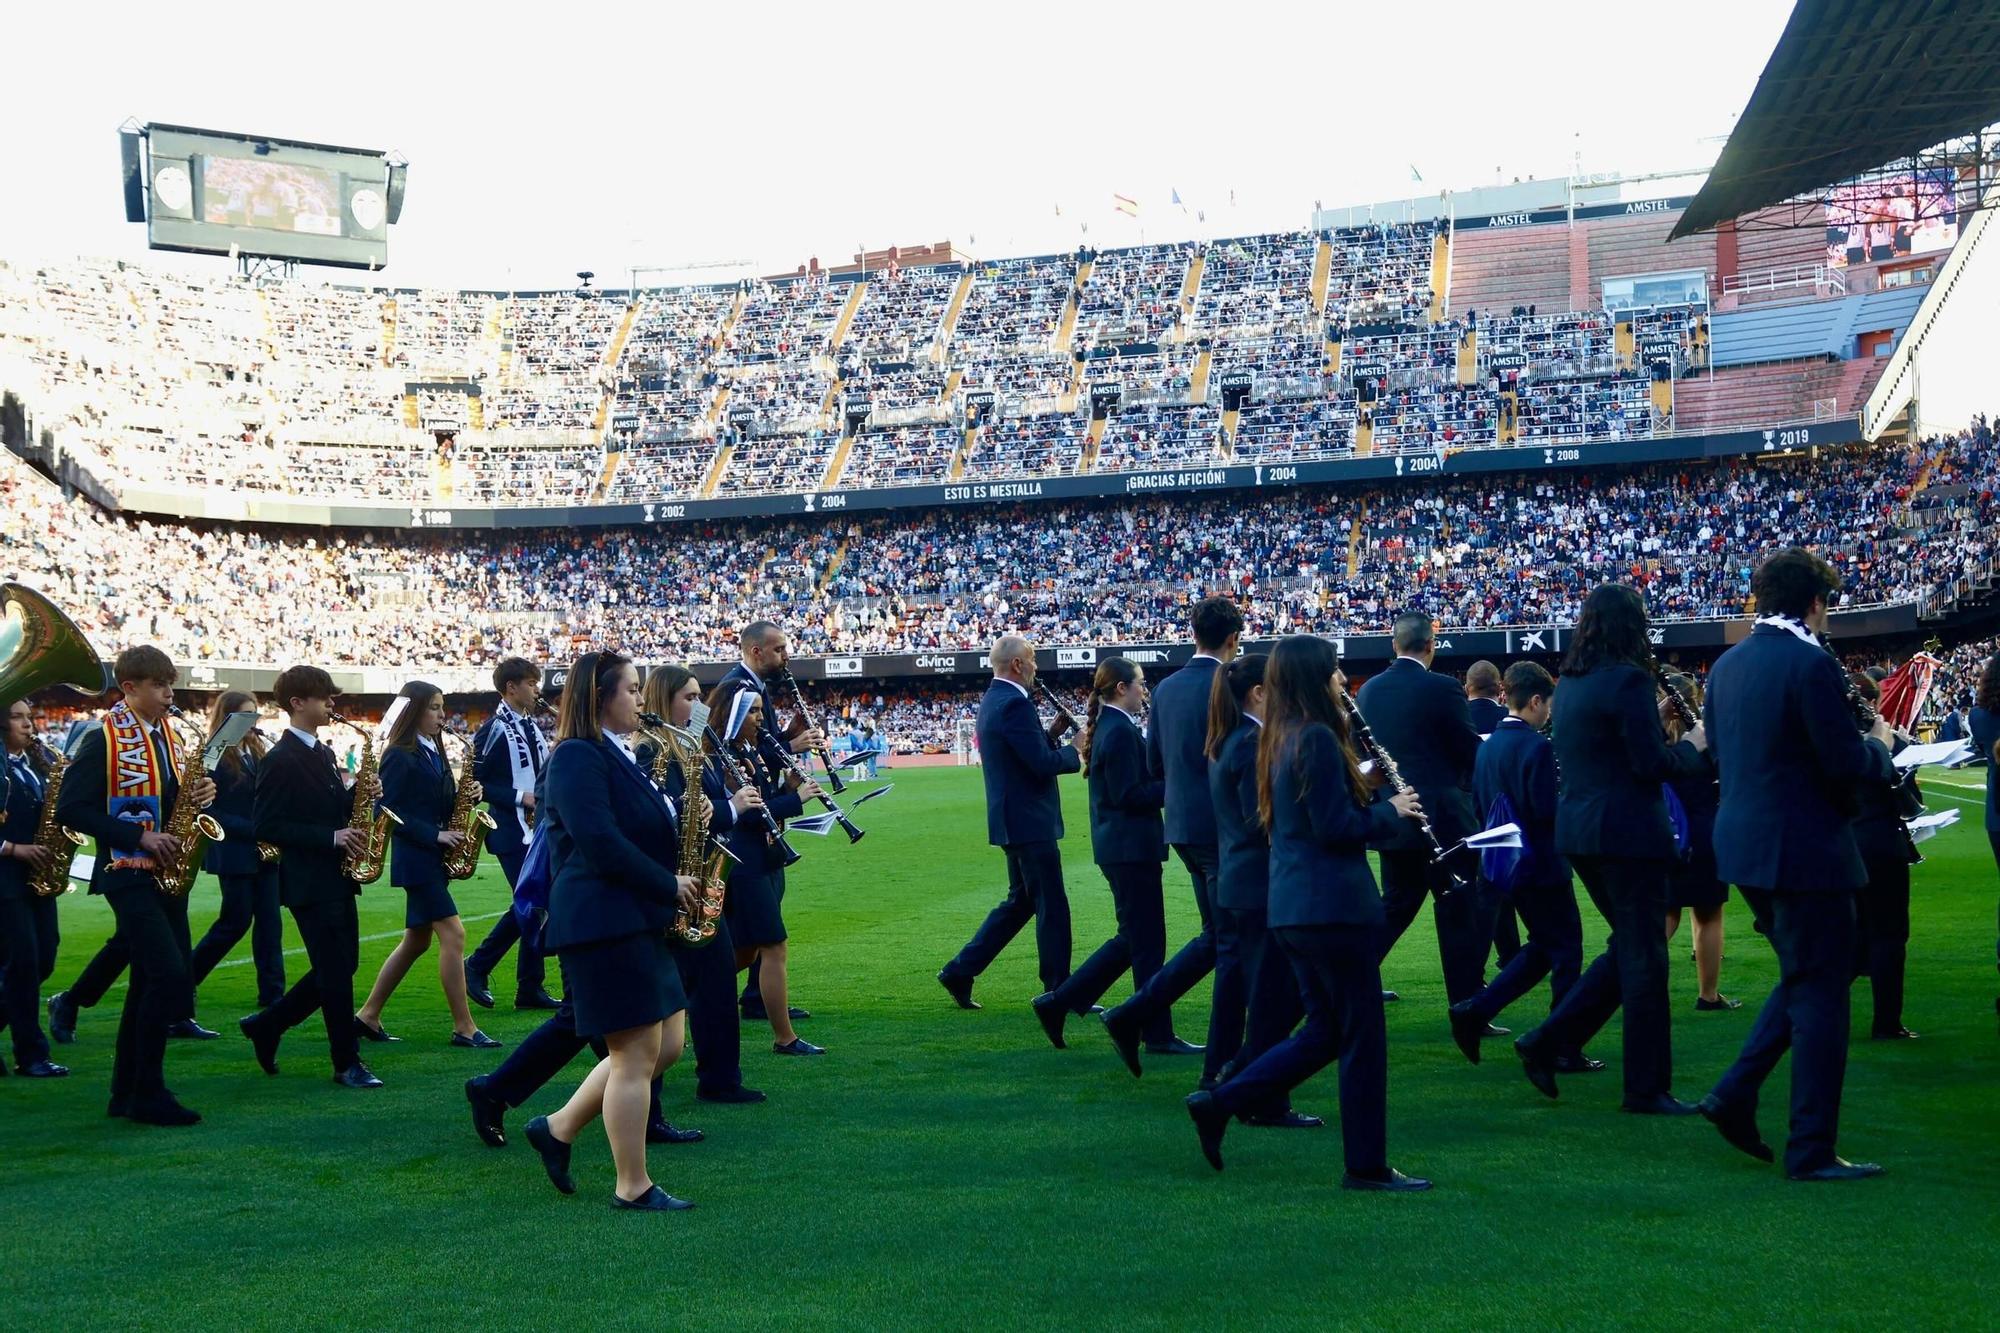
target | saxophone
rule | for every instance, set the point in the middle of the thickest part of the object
(195, 830)
(364, 864)
(60, 842)
(671, 746)
(467, 819)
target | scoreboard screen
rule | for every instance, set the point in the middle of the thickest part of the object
(233, 194)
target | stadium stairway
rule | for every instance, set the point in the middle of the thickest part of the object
(270, 325)
(715, 471)
(1333, 355)
(475, 410)
(410, 416)
(729, 322)
(613, 460)
(951, 383)
(1468, 357)
(1354, 534)
(716, 405)
(956, 472)
(953, 309)
(1198, 381)
(833, 563)
(1440, 276)
(838, 463)
(1072, 307)
(389, 331)
(1622, 347)
(1093, 440)
(1229, 421)
(846, 320)
(611, 355)
(1364, 433)
(1190, 290)
(1322, 274)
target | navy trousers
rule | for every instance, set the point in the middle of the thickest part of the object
(1195, 959)
(249, 906)
(1554, 950)
(708, 976)
(1464, 934)
(155, 930)
(1034, 892)
(1140, 946)
(29, 934)
(1256, 997)
(530, 964)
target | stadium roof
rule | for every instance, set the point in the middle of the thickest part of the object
(1854, 84)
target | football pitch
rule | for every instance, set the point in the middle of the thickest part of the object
(947, 1169)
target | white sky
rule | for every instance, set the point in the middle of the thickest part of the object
(582, 135)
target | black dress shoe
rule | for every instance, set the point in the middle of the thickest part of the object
(659, 1131)
(1894, 1034)
(1210, 1124)
(1492, 1030)
(266, 1001)
(737, 1096)
(42, 1069)
(1738, 1128)
(1466, 1030)
(554, 1153)
(1838, 1169)
(1174, 1046)
(654, 1200)
(797, 1014)
(1285, 1119)
(1578, 1063)
(1091, 1011)
(797, 1046)
(162, 1110)
(1051, 1015)
(263, 1044)
(356, 1075)
(1663, 1104)
(476, 988)
(478, 1041)
(366, 1033)
(1716, 1005)
(62, 1018)
(1394, 1182)
(960, 989)
(1539, 1070)
(190, 1030)
(488, 1113)
(538, 998)
(1124, 1034)
(1389, 996)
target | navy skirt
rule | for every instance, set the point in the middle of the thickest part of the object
(1692, 884)
(753, 906)
(427, 903)
(624, 983)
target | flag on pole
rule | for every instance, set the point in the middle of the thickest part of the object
(1415, 175)
(1128, 206)
(1906, 688)
(1177, 202)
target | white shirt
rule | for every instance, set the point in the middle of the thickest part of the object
(311, 740)
(1204, 657)
(1254, 718)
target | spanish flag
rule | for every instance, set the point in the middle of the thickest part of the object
(1129, 207)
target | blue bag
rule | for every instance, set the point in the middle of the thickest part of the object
(1677, 817)
(531, 889)
(1501, 866)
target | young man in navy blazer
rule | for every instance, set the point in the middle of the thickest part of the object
(1791, 760)
(1176, 737)
(1486, 705)
(1020, 761)
(1420, 718)
(511, 752)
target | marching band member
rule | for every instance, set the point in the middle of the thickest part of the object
(122, 786)
(1692, 885)
(613, 897)
(757, 880)
(1611, 822)
(303, 807)
(417, 784)
(1019, 763)
(1327, 914)
(28, 928)
(1791, 761)
(708, 974)
(1882, 908)
(249, 883)
(511, 755)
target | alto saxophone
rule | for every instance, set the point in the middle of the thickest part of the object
(61, 843)
(467, 819)
(671, 746)
(194, 830)
(364, 864)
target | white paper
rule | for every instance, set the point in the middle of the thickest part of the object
(817, 825)
(1936, 752)
(1501, 835)
(82, 866)
(1927, 826)
(233, 729)
(396, 707)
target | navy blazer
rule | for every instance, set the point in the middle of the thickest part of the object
(83, 806)
(1176, 752)
(1420, 718)
(1791, 760)
(615, 845)
(23, 822)
(1243, 852)
(494, 745)
(235, 808)
(1614, 755)
(301, 802)
(1986, 731)
(1518, 762)
(1019, 766)
(1485, 714)
(1320, 836)
(417, 785)
(1878, 819)
(1125, 798)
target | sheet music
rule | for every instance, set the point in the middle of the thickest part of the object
(1936, 752)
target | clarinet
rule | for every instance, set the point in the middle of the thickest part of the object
(832, 773)
(741, 779)
(1677, 702)
(1065, 720)
(1365, 738)
(1865, 716)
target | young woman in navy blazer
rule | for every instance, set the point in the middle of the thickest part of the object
(1327, 913)
(418, 785)
(614, 892)
(28, 930)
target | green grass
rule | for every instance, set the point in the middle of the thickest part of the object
(942, 1168)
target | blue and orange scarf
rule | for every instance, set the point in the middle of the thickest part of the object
(134, 784)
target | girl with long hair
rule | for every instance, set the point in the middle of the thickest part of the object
(1318, 809)
(1612, 825)
(614, 893)
(1692, 884)
(417, 784)
(249, 882)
